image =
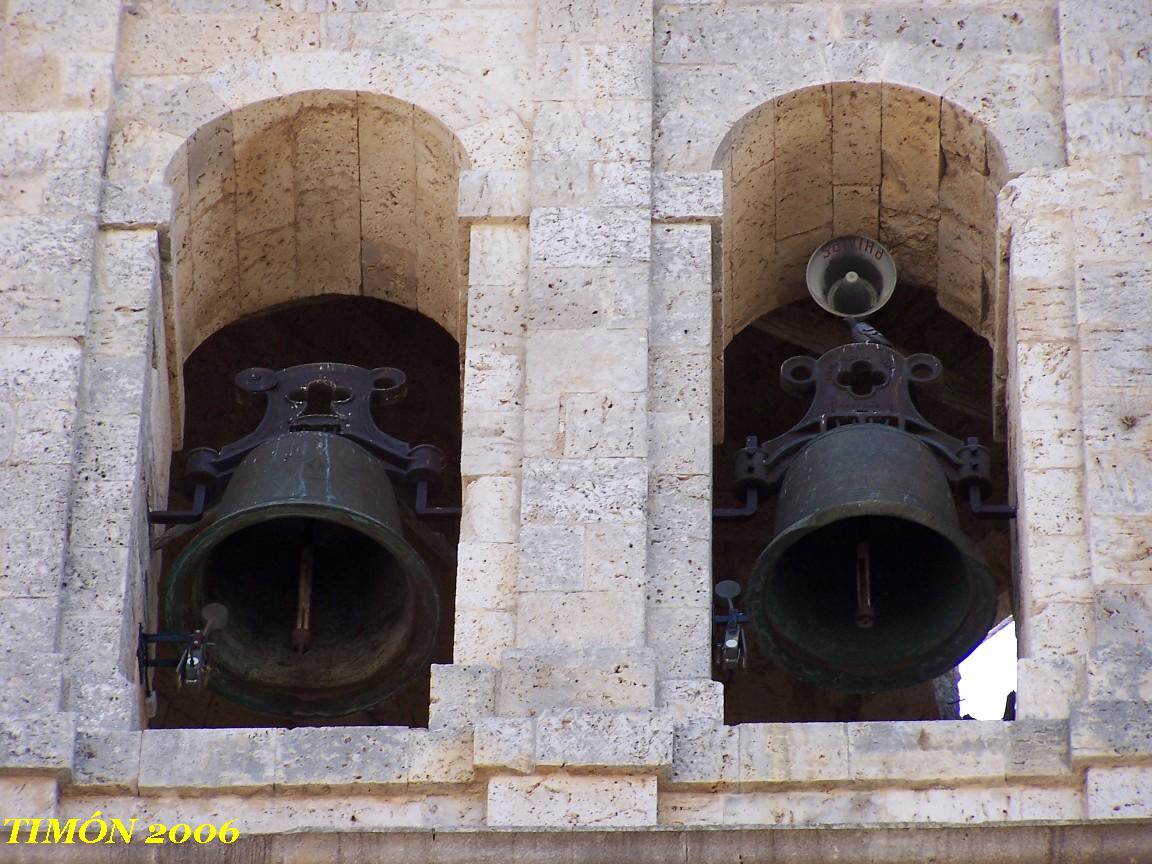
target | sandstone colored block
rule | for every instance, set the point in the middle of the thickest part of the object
(486, 575)
(584, 490)
(460, 695)
(532, 682)
(604, 424)
(490, 507)
(38, 745)
(586, 361)
(440, 756)
(1120, 672)
(107, 760)
(692, 701)
(504, 743)
(688, 197)
(593, 619)
(798, 752)
(203, 761)
(582, 741)
(557, 800)
(360, 758)
(33, 685)
(1119, 792)
(1037, 748)
(493, 195)
(1111, 732)
(915, 751)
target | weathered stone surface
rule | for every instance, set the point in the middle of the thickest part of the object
(558, 799)
(504, 743)
(107, 760)
(581, 741)
(38, 745)
(205, 760)
(916, 752)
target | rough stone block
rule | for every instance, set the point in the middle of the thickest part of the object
(1120, 672)
(589, 237)
(604, 424)
(482, 635)
(800, 752)
(486, 575)
(530, 682)
(566, 298)
(592, 619)
(558, 800)
(705, 754)
(692, 701)
(1046, 687)
(441, 756)
(681, 639)
(493, 194)
(1037, 748)
(587, 361)
(1119, 793)
(1123, 614)
(688, 197)
(584, 490)
(38, 745)
(34, 796)
(582, 741)
(354, 757)
(1111, 731)
(552, 557)
(460, 695)
(490, 507)
(207, 760)
(927, 751)
(504, 743)
(680, 442)
(107, 760)
(613, 556)
(33, 684)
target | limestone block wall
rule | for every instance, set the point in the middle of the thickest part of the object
(593, 197)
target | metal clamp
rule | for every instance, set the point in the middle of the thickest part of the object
(731, 650)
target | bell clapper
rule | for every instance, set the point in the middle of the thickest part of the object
(865, 614)
(302, 635)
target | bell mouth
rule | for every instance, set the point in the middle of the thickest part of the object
(356, 599)
(927, 601)
(308, 501)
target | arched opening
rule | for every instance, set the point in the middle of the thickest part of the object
(920, 175)
(317, 228)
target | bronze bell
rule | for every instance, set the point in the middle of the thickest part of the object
(869, 583)
(330, 609)
(313, 603)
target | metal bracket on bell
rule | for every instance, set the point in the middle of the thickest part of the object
(193, 664)
(730, 646)
(335, 398)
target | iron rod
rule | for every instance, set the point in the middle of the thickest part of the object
(865, 614)
(302, 635)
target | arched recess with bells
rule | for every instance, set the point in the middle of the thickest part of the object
(920, 174)
(316, 227)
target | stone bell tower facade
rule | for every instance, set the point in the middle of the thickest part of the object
(593, 199)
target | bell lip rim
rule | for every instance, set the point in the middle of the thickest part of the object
(985, 597)
(403, 552)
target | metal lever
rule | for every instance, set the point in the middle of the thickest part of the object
(730, 648)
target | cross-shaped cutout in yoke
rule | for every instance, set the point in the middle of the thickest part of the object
(862, 378)
(318, 397)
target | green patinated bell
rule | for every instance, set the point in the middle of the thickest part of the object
(330, 610)
(869, 583)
